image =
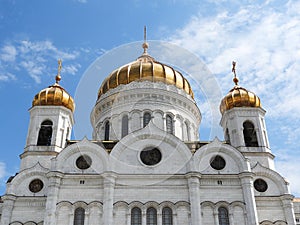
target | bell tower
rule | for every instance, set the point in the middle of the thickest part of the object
(51, 122)
(243, 122)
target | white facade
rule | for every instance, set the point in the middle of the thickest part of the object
(140, 173)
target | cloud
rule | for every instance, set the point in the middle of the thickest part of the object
(2, 170)
(263, 39)
(8, 53)
(38, 59)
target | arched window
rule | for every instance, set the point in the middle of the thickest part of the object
(106, 132)
(223, 216)
(186, 131)
(45, 133)
(169, 124)
(167, 218)
(146, 119)
(249, 134)
(124, 125)
(151, 216)
(79, 216)
(136, 216)
(227, 137)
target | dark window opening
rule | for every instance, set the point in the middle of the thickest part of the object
(106, 132)
(136, 216)
(151, 216)
(223, 216)
(167, 217)
(45, 133)
(124, 125)
(169, 124)
(79, 216)
(250, 134)
(146, 119)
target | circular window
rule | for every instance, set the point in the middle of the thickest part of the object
(260, 185)
(217, 162)
(150, 156)
(36, 185)
(83, 162)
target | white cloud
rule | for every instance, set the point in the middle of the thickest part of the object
(264, 42)
(8, 53)
(7, 77)
(2, 170)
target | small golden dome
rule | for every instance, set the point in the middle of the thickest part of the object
(239, 96)
(54, 95)
(145, 68)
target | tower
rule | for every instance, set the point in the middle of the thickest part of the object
(243, 123)
(50, 125)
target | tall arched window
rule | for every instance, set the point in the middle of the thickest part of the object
(169, 124)
(106, 132)
(79, 216)
(151, 216)
(167, 217)
(146, 119)
(45, 133)
(136, 216)
(227, 137)
(223, 216)
(186, 131)
(249, 134)
(124, 125)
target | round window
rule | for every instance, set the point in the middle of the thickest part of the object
(36, 185)
(150, 156)
(217, 162)
(83, 162)
(260, 185)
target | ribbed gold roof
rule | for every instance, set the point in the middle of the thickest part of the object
(54, 95)
(145, 68)
(239, 97)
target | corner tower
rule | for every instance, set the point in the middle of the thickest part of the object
(51, 122)
(243, 122)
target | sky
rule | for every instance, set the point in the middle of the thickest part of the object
(261, 36)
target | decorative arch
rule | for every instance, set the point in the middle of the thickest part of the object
(223, 216)
(79, 216)
(169, 123)
(146, 118)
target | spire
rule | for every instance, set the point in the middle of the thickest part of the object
(58, 77)
(145, 44)
(235, 79)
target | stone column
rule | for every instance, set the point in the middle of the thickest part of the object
(128, 218)
(287, 202)
(8, 204)
(248, 193)
(144, 217)
(108, 199)
(53, 190)
(216, 218)
(194, 196)
(159, 218)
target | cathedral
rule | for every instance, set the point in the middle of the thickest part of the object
(145, 164)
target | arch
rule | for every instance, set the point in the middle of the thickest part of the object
(250, 136)
(146, 118)
(167, 216)
(151, 215)
(79, 214)
(45, 133)
(136, 216)
(124, 128)
(106, 130)
(169, 124)
(223, 216)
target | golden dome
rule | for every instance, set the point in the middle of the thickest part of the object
(239, 96)
(54, 95)
(145, 68)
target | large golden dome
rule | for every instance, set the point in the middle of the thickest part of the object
(145, 68)
(54, 95)
(239, 97)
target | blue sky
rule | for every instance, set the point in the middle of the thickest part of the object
(262, 36)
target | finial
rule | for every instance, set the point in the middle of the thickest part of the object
(145, 44)
(235, 79)
(58, 77)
